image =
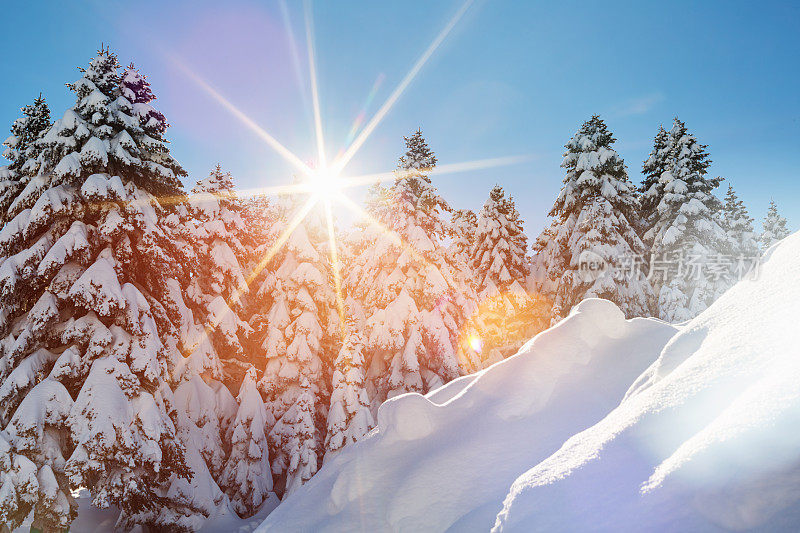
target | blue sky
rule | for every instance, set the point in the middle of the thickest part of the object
(512, 78)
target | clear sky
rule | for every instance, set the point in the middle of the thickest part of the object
(512, 78)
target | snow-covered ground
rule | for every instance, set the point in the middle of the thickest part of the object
(447, 460)
(705, 438)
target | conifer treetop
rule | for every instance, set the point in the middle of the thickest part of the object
(774, 226)
(594, 169)
(25, 131)
(106, 132)
(418, 154)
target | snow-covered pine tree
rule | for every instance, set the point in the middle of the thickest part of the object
(297, 437)
(196, 235)
(247, 478)
(590, 246)
(297, 330)
(651, 189)
(509, 314)
(738, 226)
(214, 226)
(464, 227)
(740, 248)
(686, 238)
(87, 339)
(774, 227)
(406, 285)
(21, 146)
(349, 416)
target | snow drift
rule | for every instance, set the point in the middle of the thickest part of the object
(447, 460)
(705, 438)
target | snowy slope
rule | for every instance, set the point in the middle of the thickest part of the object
(448, 460)
(707, 439)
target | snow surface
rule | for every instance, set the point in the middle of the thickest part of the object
(705, 439)
(447, 460)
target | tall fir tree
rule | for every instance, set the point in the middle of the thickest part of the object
(25, 131)
(738, 227)
(88, 334)
(686, 237)
(651, 190)
(774, 227)
(740, 249)
(406, 285)
(464, 226)
(589, 247)
(22, 146)
(213, 225)
(509, 314)
(297, 330)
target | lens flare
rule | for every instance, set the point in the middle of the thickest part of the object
(475, 343)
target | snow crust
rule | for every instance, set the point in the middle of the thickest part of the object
(447, 460)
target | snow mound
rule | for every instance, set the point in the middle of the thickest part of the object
(446, 461)
(705, 440)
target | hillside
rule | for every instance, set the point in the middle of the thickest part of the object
(704, 438)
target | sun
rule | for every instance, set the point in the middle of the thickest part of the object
(324, 183)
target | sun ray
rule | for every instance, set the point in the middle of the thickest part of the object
(298, 74)
(450, 168)
(393, 235)
(337, 277)
(287, 154)
(345, 158)
(284, 236)
(312, 70)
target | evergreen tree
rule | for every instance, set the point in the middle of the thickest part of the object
(247, 478)
(103, 132)
(464, 227)
(774, 227)
(686, 238)
(212, 224)
(25, 131)
(738, 227)
(406, 285)
(740, 247)
(297, 331)
(296, 435)
(22, 146)
(88, 333)
(509, 315)
(204, 410)
(349, 416)
(651, 189)
(592, 240)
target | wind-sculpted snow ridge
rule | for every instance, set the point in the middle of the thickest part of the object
(446, 460)
(706, 439)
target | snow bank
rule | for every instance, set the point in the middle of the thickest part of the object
(706, 439)
(447, 460)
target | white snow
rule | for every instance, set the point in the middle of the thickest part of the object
(447, 460)
(704, 439)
